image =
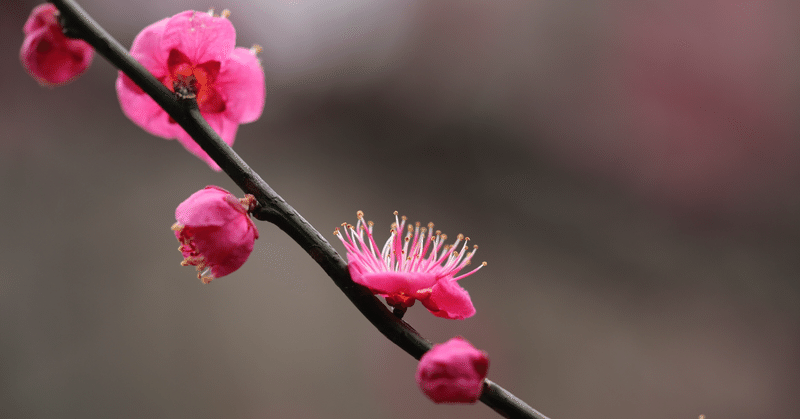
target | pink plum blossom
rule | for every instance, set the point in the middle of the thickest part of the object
(417, 267)
(48, 55)
(196, 51)
(215, 232)
(452, 372)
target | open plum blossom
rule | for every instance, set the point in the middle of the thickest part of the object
(417, 267)
(195, 51)
(452, 372)
(48, 55)
(215, 232)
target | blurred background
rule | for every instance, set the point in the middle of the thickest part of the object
(629, 170)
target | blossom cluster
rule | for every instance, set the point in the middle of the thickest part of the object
(194, 55)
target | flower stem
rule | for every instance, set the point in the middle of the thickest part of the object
(271, 206)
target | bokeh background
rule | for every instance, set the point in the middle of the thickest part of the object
(630, 170)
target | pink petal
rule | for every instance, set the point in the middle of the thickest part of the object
(391, 282)
(223, 126)
(147, 48)
(228, 248)
(41, 16)
(241, 83)
(449, 300)
(200, 36)
(208, 207)
(143, 110)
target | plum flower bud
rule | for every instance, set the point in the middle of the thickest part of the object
(452, 372)
(418, 266)
(48, 55)
(215, 232)
(194, 54)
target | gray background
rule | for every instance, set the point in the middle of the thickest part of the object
(628, 168)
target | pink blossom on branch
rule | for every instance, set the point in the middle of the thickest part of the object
(452, 372)
(197, 51)
(215, 232)
(418, 266)
(48, 55)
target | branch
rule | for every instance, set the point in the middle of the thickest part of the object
(77, 23)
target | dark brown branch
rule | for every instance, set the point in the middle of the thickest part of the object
(272, 207)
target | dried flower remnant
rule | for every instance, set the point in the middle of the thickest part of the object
(452, 372)
(215, 232)
(418, 266)
(194, 54)
(48, 55)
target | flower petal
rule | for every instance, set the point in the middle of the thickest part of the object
(143, 110)
(449, 300)
(41, 16)
(148, 50)
(391, 282)
(222, 125)
(208, 207)
(241, 83)
(200, 36)
(229, 248)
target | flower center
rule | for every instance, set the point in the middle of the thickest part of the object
(197, 79)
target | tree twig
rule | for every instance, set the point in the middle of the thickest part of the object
(77, 23)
